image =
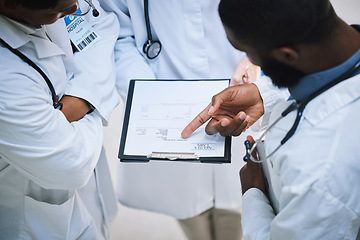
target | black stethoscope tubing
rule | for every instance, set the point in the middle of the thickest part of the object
(300, 107)
(147, 19)
(56, 105)
(151, 47)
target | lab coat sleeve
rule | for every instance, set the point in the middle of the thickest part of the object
(94, 77)
(306, 211)
(257, 215)
(130, 62)
(271, 96)
(37, 139)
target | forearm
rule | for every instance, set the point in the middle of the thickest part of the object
(74, 108)
(94, 76)
(39, 142)
(257, 215)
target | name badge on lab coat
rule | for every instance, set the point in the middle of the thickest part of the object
(81, 33)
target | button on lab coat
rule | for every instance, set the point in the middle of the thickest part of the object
(44, 160)
(201, 51)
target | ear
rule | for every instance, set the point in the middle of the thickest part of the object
(287, 55)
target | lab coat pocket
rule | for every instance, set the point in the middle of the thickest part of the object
(68, 220)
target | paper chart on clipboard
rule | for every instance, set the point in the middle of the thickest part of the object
(158, 110)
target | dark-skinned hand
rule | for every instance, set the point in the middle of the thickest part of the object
(251, 174)
(230, 112)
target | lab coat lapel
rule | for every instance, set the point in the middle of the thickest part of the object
(58, 34)
(55, 43)
(45, 48)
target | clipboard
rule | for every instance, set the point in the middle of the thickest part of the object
(271, 179)
(156, 112)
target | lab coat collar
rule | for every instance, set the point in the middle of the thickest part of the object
(313, 82)
(333, 100)
(17, 35)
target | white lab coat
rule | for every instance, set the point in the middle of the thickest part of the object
(317, 172)
(47, 165)
(194, 47)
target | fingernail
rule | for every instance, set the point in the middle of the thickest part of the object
(210, 110)
(242, 116)
(224, 123)
(247, 119)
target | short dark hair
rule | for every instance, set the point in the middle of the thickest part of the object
(269, 24)
(36, 4)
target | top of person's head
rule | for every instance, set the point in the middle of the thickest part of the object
(35, 4)
(269, 24)
(37, 12)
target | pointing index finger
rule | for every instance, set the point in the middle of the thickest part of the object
(199, 120)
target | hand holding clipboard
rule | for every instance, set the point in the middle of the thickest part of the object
(259, 175)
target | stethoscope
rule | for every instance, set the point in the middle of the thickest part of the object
(56, 104)
(95, 12)
(300, 109)
(151, 47)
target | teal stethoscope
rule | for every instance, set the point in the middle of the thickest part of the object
(300, 109)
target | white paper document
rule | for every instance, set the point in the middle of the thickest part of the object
(160, 110)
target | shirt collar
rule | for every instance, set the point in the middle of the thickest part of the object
(313, 82)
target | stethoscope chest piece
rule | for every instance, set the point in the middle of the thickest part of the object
(152, 48)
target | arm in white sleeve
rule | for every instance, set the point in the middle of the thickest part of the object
(271, 95)
(95, 74)
(130, 62)
(39, 142)
(306, 212)
(257, 215)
